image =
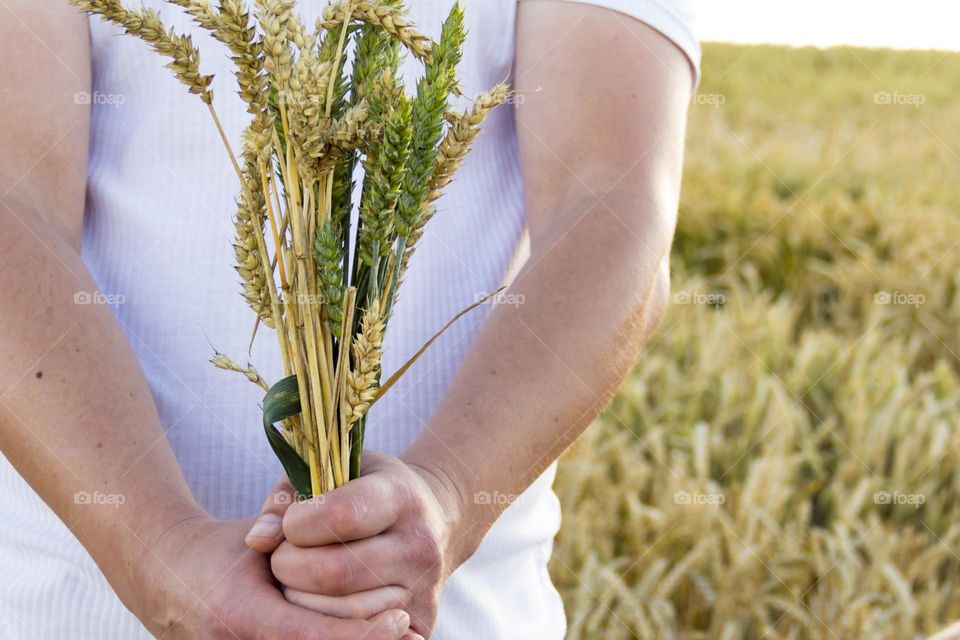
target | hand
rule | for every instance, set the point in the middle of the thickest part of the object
(202, 582)
(385, 540)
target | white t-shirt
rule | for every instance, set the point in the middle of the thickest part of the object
(158, 233)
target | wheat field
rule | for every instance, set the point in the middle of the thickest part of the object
(784, 462)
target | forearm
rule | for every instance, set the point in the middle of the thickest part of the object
(601, 155)
(77, 419)
(540, 371)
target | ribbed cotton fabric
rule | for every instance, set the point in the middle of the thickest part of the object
(158, 232)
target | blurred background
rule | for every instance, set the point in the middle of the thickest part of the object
(784, 462)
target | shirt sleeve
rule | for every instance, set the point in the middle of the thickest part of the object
(675, 19)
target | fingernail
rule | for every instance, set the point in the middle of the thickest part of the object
(402, 622)
(269, 525)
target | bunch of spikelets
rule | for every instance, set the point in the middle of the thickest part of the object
(311, 124)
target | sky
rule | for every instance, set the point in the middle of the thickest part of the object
(901, 24)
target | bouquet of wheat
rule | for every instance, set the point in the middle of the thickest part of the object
(323, 279)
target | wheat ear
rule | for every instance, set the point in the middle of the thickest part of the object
(201, 11)
(274, 17)
(146, 24)
(363, 377)
(237, 32)
(384, 16)
(428, 110)
(463, 132)
(221, 361)
(383, 188)
(456, 144)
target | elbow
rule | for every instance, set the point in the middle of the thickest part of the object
(658, 299)
(660, 292)
(639, 242)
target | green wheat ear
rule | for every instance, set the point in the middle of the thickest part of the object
(429, 107)
(328, 250)
(386, 169)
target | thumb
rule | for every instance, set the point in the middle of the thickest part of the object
(266, 534)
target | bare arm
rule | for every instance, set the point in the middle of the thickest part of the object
(76, 414)
(601, 145)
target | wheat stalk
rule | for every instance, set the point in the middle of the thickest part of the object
(310, 125)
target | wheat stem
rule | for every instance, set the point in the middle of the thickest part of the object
(340, 381)
(226, 142)
(273, 222)
(335, 72)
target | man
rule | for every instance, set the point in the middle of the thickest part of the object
(133, 469)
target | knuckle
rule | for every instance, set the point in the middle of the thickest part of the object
(425, 549)
(351, 609)
(334, 577)
(295, 520)
(408, 496)
(356, 610)
(342, 514)
(276, 566)
(279, 562)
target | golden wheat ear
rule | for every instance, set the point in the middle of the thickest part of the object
(145, 24)
(386, 17)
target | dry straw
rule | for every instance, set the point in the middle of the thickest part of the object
(761, 473)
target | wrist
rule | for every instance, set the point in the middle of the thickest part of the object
(153, 585)
(465, 525)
